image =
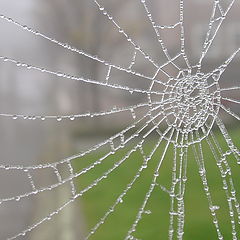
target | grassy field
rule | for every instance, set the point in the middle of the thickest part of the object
(198, 221)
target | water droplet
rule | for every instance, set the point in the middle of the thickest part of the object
(112, 146)
(72, 118)
(14, 117)
(225, 187)
(133, 113)
(7, 167)
(148, 212)
(43, 118)
(144, 166)
(59, 118)
(213, 208)
(59, 74)
(72, 198)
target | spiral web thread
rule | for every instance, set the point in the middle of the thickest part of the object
(189, 105)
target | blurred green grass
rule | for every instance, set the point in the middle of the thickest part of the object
(198, 221)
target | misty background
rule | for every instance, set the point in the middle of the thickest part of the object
(33, 93)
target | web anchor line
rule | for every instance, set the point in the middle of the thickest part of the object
(208, 42)
(72, 49)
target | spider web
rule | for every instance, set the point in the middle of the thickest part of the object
(181, 113)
